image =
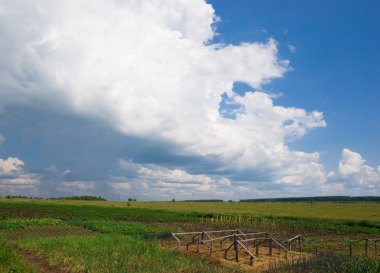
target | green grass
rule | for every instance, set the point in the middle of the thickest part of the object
(126, 228)
(68, 212)
(126, 237)
(338, 211)
(130, 228)
(325, 210)
(219, 213)
(115, 253)
(10, 262)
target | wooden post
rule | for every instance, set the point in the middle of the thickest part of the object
(366, 247)
(270, 246)
(316, 250)
(251, 260)
(257, 250)
(198, 245)
(236, 249)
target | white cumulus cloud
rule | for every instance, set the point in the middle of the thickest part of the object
(353, 167)
(353, 176)
(10, 166)
(14, 179)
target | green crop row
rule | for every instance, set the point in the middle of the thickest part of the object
(263, 222)
(121, 227)
(86, 212)
(17, 223)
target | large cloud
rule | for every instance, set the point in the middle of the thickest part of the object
(149, 70)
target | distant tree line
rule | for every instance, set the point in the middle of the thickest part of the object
(83, 197)
(21, 196)
(203, 200)
(339, 199)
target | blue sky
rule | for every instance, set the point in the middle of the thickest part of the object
(336, 64)
(188, 99)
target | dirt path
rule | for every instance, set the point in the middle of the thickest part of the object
(38, 263)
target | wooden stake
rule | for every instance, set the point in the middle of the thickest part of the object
(236, 249)
(270, 247)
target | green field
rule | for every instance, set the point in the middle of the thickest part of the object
(99, 236)
(336, 211)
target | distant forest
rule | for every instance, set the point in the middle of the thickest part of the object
(339, 199)
(204, 200)
(82, 197)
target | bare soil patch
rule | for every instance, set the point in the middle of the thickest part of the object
(262, 261)
(45, 231)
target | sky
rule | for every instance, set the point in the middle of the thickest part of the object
(189, 99)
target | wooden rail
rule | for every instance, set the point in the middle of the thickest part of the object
(367, 241)
(299, 238)
(239, 239)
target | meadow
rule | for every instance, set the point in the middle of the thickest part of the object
(38, 235)
(338, 211)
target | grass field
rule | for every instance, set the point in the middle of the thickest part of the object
(310, 217)
(95, 236)
(336, 211)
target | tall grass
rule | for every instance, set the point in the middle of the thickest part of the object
(116, 253)
(328, 263)
(10, 262)
(295, 223)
